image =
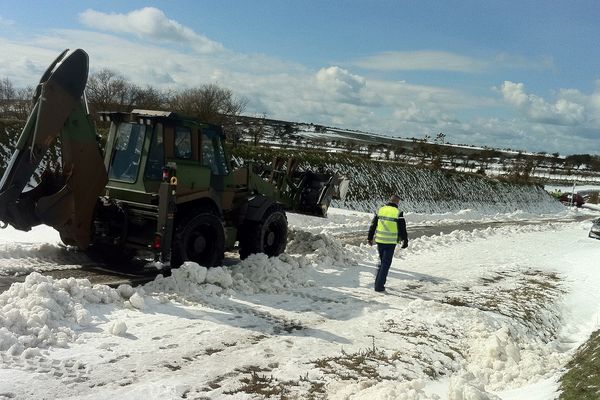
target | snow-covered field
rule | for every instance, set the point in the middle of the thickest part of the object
(470, 315)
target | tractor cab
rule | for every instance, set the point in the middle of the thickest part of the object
(146, 147)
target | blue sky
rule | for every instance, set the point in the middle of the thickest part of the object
(507, 74)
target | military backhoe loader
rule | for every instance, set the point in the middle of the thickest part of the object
(164, 185)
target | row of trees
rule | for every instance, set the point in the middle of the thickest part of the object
(108, 91)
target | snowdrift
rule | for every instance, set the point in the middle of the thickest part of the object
(435, 191)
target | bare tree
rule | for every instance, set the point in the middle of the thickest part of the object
(7, 90)
(209, 103)
(14, 102)
(440, 138)
(109, 91)
(257, 129)
(7, 96)
(23, 104)
(150, 97)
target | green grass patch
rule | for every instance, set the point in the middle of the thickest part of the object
(582, 379)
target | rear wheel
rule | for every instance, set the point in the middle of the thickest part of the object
(200, 239)
(269, 235)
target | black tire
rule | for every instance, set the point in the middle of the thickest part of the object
(268, 236)
(201, 239)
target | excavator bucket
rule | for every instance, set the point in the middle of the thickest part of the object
(305, 192)
(63, 199)
(318, 189)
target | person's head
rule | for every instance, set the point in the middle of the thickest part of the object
(395, 199)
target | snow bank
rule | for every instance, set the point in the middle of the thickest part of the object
(259, 273)
(424, 190)
(503, 354)
(42, 312)
(466, 387)
(458, 237)
(320, 249)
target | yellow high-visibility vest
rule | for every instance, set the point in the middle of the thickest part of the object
(387, 225)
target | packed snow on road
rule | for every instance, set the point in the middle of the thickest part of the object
(490, 313)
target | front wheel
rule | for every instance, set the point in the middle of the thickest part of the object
(269, 235)
(200, 239)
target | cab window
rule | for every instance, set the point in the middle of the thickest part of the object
(183, 142)
(156, 156)
(213, 154)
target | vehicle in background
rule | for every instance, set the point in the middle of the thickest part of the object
(595, 230)
(570, 199)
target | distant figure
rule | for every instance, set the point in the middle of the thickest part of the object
(389, 228)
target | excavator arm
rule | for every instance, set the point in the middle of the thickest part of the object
(64, 199)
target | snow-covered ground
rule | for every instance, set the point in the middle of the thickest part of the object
(470, 315)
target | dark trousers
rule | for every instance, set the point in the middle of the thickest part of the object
(386, 253)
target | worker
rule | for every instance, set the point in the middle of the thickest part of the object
(389, 228)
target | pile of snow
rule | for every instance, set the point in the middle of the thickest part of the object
(256, 274)
(319, 249)
(42, 312)
(465, 386)
(259, 273)
(504, 355)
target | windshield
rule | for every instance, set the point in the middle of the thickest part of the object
(127, 152)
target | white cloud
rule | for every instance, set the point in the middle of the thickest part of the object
(148, 23)
(430, 60)
(421, 60)
(340, 83)
(506, 60)
(424, 115)
(518, 134)
(564, 111)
